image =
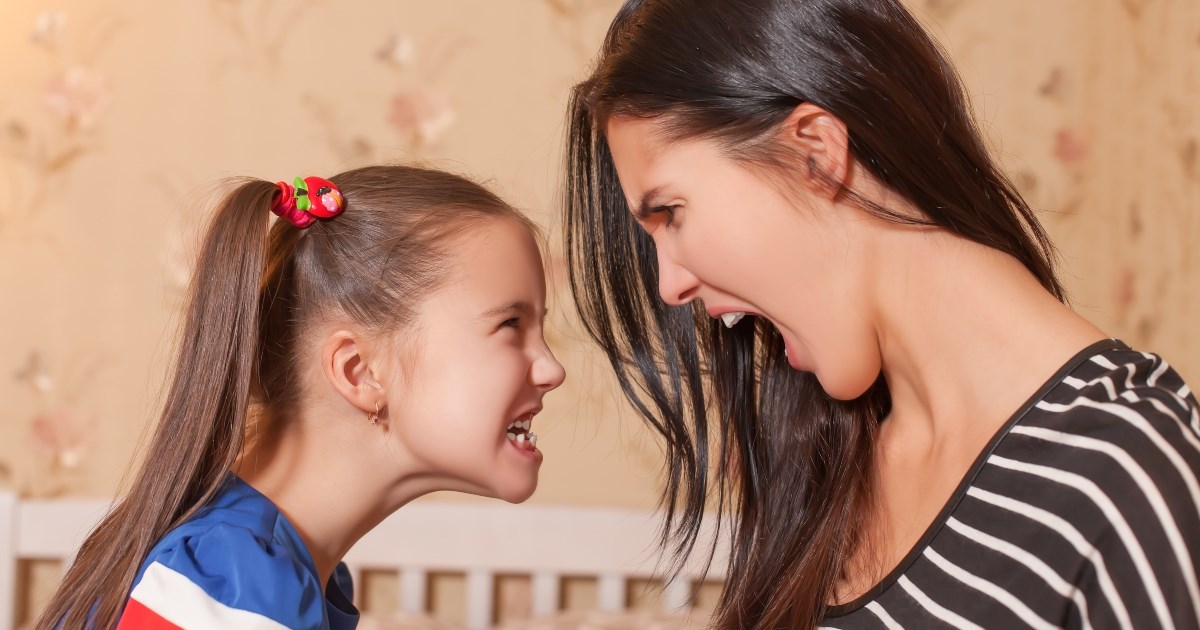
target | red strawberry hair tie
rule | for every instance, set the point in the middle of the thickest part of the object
(306, 199)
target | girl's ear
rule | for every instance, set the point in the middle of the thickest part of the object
(345, 363)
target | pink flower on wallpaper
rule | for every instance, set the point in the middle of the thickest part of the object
(423, 112)
(556, 269)
(62, 433)
(48, 28)
(78, 95)
(1072, 145)
(1125, 292)
(399, 51)
(1188, 155)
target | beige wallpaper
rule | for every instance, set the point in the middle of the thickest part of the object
(115, 116)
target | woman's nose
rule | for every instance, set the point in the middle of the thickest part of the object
(676, 284)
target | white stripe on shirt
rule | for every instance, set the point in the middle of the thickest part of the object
(1101, 500)
(1073, 536)
(172, 596)
(1030, 561)
(1148, 488)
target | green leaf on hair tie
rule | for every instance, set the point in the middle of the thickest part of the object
(302, 201)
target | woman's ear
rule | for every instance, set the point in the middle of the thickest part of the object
(344, 361)
(822, 141)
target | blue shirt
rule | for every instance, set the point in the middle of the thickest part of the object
(238, 563)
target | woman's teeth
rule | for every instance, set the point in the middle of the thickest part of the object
(731, 319)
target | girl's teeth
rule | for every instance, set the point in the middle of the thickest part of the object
(524, 441)
(731, 319)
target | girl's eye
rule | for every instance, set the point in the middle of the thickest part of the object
(514, 322)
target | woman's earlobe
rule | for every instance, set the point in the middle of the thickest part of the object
(821, 138)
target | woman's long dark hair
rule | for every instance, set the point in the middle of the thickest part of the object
(256, 288)
(742, 430)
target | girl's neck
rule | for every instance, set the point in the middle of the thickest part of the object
(331, 483)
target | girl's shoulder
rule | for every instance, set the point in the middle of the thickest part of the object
(236, 563)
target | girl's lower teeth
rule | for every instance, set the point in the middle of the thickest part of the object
(527, 441)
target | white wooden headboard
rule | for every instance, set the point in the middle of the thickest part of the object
(479, 540)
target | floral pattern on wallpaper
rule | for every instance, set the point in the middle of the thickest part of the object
(419, 112)
(261, 29)
(60, 430)
(572, 19)
(37, 148)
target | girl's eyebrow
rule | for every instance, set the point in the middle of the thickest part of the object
(518, 307)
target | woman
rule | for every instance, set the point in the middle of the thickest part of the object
(910, 428)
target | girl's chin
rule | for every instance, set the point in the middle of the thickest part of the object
(517, 495)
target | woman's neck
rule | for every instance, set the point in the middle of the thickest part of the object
(967, 335)
(966, 338)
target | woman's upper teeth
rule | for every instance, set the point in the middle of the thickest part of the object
(731, 319)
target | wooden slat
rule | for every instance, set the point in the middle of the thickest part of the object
(610, 592)
(677, 595)
(414, 591)
(8, 560)
(546, 593)
(481, 590)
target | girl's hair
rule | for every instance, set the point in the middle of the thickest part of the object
(257, 290)
(765, 443)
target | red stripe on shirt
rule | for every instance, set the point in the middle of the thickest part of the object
(138, 617)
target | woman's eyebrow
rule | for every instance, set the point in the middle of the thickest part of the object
(647, 203)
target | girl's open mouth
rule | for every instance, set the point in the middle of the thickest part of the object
(518, 433)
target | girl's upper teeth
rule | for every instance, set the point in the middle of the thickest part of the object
(731, 319)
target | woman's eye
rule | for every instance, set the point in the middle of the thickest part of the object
(513, 322)
(669, 210)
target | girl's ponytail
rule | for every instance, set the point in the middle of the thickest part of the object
(200, 432)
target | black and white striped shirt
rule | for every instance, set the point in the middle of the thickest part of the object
(1083, 512)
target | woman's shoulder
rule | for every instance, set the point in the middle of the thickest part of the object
(1121, 388)
(227, 565)
(1120, 421)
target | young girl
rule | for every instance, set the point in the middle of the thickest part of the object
(381, 341)
(908, 424)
